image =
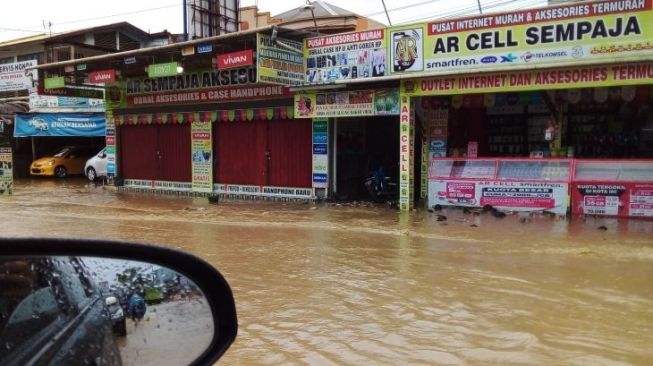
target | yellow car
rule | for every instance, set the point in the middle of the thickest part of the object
(68, 160)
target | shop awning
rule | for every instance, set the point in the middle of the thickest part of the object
(59, 124)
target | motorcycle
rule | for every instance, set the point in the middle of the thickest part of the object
(380, 187)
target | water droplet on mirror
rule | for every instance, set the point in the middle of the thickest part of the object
(9, 345)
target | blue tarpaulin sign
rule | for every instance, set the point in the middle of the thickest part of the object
(59, 124)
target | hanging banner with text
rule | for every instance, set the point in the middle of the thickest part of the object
(345, 56)
(202, 153)
(15, 76)
(547, 79)
(598, 30)
(6, 171)
(277, 65)
(347, 103)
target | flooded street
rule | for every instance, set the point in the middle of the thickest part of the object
(341, 285)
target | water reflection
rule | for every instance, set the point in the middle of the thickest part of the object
(365, 285)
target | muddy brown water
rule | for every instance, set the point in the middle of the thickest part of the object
(342, 285)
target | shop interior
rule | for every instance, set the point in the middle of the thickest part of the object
(363, 145)
(615, 123)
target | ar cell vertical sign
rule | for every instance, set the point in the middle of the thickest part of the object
(202, 154)
(110, 141)
(405, 201)
(6, 171)
(320, 153)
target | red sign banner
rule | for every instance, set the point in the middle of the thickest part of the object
(208, 95)
(102, 76)
(235, 59)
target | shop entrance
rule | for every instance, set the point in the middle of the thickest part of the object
(160, 152)
(582, 123)
(364, 145)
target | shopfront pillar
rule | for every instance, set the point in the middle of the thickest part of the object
(406, 154)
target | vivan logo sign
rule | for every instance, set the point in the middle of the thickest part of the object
(235, 59)
(101, 77)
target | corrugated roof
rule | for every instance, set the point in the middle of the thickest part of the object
(34, 38)
(320, 9)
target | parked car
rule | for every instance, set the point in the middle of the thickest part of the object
(55, 317)
(118, 320)
(68, 160)
(96, 166)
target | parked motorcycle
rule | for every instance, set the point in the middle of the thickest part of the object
(380, 186)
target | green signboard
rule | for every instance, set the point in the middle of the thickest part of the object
(55, 82)
(160, 70)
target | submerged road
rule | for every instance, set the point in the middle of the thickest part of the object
(342, 285)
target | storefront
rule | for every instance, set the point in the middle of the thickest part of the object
(516, 98)
(228, 128)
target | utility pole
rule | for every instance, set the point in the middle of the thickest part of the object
(386, 12)
(480, 9)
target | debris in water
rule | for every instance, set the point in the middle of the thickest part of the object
(466, 211)
(603, 227)
(437, 207)
(431, 210)
(473, 225)
(214, 198)
(498, 214)
(441, 218)
(487, 208)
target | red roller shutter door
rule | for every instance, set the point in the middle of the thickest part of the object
(291, 159)
(156, 152)
(175, 153)
(138, 146)
(242, 150)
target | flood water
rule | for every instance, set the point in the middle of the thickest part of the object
(341, 285)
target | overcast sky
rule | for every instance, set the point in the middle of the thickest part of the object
(20, 18)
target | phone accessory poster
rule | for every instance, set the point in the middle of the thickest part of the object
(600, 199)
(516, 196)
(641, 200)
(6, 171)
(407, 50)
(202, 150)
(345, 56)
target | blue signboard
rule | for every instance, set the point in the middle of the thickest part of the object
(319, 178)
(204, 48)
(320, 149)
(59, 124)
(320, 138)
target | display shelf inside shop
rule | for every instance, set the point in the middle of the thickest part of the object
(507, 135)
(540, 170)
(463, 169)
(622, 171)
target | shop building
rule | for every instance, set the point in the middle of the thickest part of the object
(208, 116)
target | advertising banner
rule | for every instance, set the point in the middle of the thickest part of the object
(37, 101)
(613, 199)
(320, 153)
(405, 158)
(59, 124)
(550, 79)
(208, 95)
(597, 30)
(102, 76)
(202, 152)
(277, 65)
(347, 103)
(507, 195)
(110, 143)
(15, 76)
(345, 56)
(6, 171)
(235, 59)
(192, 81)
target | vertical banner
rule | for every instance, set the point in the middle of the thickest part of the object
(6, 171)
(202, 153)
(411, 148)
(405, 162)
(320, 153)
(110, 140)
(424, 171)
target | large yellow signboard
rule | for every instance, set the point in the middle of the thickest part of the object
(575, 32)
(545, 79)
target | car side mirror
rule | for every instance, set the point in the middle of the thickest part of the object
(123, 303)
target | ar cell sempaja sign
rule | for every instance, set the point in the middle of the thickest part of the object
(600, 30)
